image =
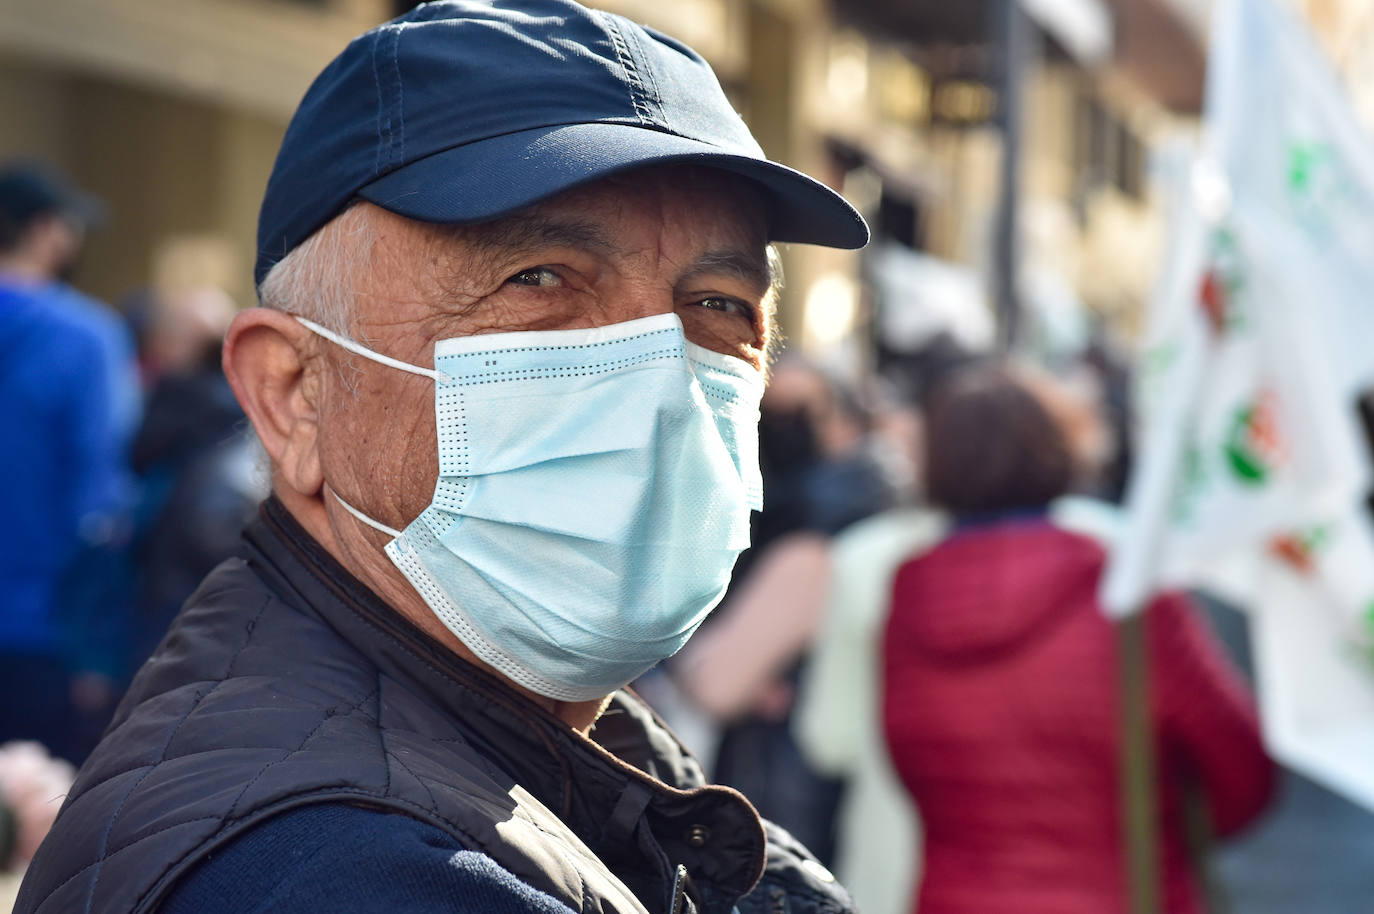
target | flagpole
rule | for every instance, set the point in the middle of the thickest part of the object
(1132, 571)
(1140, 802)
(1016, 45)
(1197, 831)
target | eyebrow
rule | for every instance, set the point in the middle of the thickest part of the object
(527, 232)
(531, 231)
(748, 268)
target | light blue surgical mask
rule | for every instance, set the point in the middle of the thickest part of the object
(594, 492)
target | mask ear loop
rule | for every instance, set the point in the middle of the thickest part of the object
(374, 524)
(366, 353)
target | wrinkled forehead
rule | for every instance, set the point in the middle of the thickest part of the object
(704, 205)
(685, 211)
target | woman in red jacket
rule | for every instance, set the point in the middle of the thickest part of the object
(1000, 699)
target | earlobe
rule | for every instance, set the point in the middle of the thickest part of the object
(264, 362)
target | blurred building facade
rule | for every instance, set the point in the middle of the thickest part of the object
(1111, 86)
(1346, 31)
(1105, 83)
(172, 111)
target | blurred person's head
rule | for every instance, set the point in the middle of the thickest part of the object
(1074, 399)
(790, 416)
(917, 372)
(898, 433)
(43, 222)
(184, 329)
(993, 445)
(32, 786)
(808, 416)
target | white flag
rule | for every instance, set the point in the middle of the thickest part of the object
(1312, 626)
(1258, 339)
(1260, 344)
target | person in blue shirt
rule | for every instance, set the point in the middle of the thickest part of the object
(69, 403)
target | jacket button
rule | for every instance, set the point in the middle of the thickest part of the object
(698, 835)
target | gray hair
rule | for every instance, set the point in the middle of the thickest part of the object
(316, 279)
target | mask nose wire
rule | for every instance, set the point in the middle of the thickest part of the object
(374, 524)
(359, 349)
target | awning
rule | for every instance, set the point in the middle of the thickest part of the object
(1083, 28)
(1153, 42)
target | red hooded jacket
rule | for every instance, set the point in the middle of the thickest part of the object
(1001, 710)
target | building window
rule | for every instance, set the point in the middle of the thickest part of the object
(1107, 153)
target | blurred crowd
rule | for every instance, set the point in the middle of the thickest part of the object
(910, 671)
(126, 476)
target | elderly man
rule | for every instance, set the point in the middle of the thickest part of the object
(513, 262)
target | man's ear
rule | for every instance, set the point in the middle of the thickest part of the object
(265, 363)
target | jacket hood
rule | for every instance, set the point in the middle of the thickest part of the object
(992, 587)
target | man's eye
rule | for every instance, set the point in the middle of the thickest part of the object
(727, 306)
(536, 276)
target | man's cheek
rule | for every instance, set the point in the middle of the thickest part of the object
(417, 469)
(725, 333)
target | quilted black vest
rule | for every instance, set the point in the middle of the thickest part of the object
(285, 682)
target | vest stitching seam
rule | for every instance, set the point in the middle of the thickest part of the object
(311, 735)
(458, 829)
(388, 755)
(139, 840)
(465, 837)
(563, 848)
(381, 732)
(582, 892)
(162, 757)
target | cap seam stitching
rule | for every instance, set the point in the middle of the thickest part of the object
(381, 108)
(400, 92)
(633, 82)
(654, 93)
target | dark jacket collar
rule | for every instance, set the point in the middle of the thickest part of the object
(649, 790)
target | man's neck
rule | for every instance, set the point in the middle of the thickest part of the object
(375, 570)
(22, 271)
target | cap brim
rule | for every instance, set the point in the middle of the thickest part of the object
(491, 178)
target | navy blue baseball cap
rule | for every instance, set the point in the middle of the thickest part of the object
(463, 111)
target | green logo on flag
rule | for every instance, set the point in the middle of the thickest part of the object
(1306, 161)
(1254, 447)
(1318, 187)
